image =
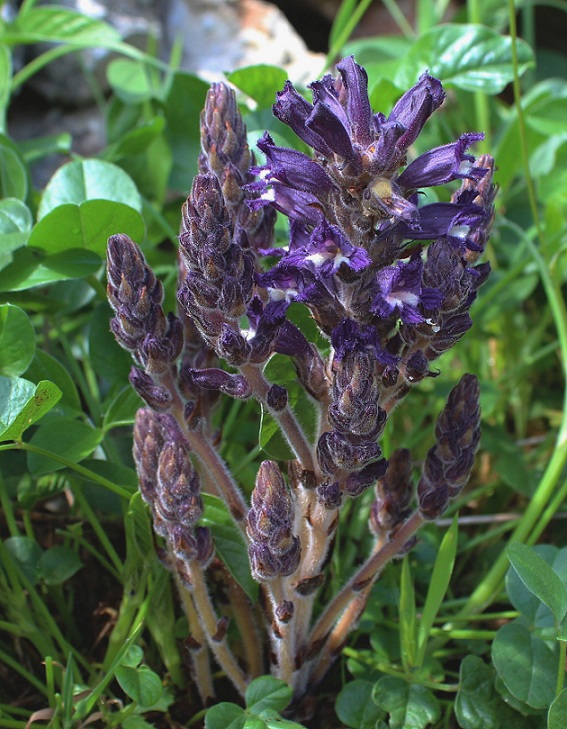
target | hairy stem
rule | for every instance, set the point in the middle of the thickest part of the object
(200, 663)
(210, 624)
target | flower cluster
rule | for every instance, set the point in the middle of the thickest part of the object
(389, 282)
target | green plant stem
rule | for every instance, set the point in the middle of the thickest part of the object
(561, 667)
(98, 530)
(77, 468)
(355, 18)
(482, 109)
(134, 600)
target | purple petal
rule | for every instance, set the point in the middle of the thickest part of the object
(292, 109)
(355, 81)
(442, 164)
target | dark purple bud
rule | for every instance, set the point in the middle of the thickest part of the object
(157, 397)
(214, 378)
(284, 611)
(394, 493)
(448, 464)
(178, 497)
(232, 346)
(273, 550)
(276, 398)
(336, 450)
(330, 495)
(205, 549)
(358, 482)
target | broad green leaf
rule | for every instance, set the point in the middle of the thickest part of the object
(60, 25)
(229, 543)
(45, 396)
(539, 578)
(15, 393)
(108, 358)
(122, 410)
(134, 656)
(137, 140)
(267, 692)
(46, 367)
(130, 80)
(182, 110)
(70, 439)
(26, 553)
(32, 268)
(355, 707)
(120, 475)
(380, 56)
(523, 599)
(225, 716)
(58, 564)
(478, 705)
(15, 224)
(470, 57)
(87, 225)
(558, 712)
(526, 664)
(410, 706)
(272, 720)
(141, 684)
(260, 82)
(408, 623)
(91, 179)
(438, 584)
(17, 341)
(13, 173)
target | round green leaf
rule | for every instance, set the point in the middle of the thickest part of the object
(539, 578)
(15, 225)
(130, 81)
(478, 705)
(558, 712)
(62, 25)
(261, 82)
(17, 341)
(70, 439)
(45, 397)
(225, 716)
(410, 706)
(15, 393)
(58, 564)
(471, 57)
(87, 225)
(526, 664)
(31, 268)
(355, 706)
(267, 692)
(46, 367)
(26, 553)
(91, 179)
(141, 684)
(13, 173)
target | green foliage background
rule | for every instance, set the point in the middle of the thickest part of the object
(456, 636)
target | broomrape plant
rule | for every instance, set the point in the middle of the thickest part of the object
(389, 284)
